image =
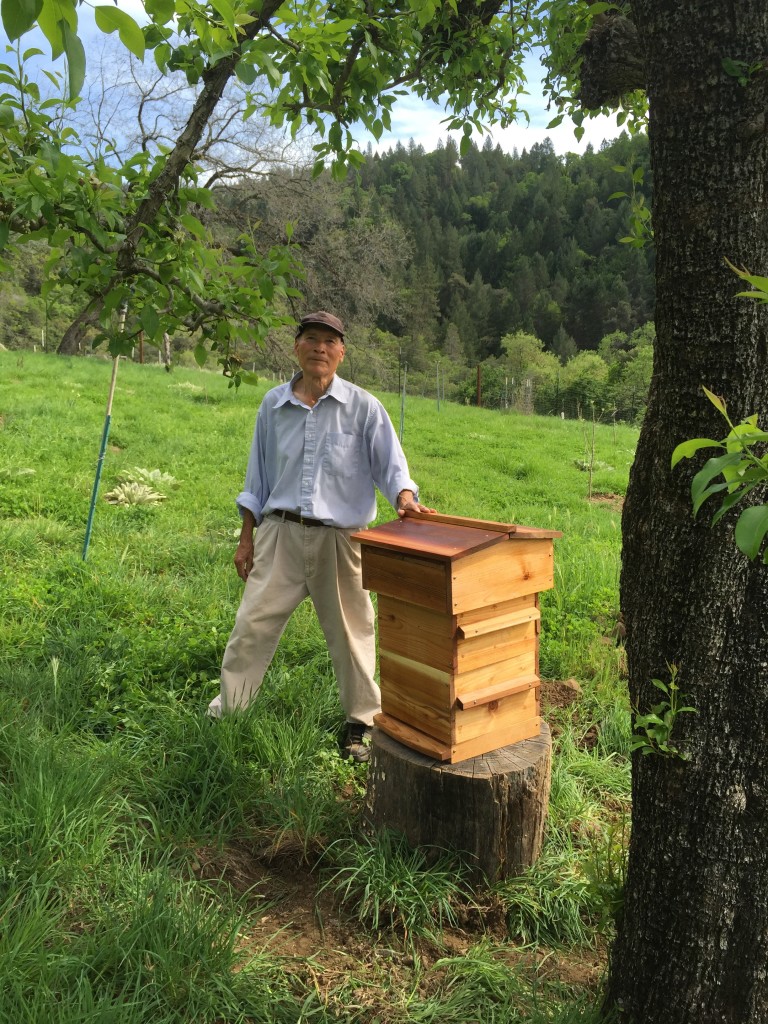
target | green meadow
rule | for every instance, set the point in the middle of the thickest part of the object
(157, 867)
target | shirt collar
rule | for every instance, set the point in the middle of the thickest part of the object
(338, 389)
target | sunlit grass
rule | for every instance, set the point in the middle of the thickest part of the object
(112, 775)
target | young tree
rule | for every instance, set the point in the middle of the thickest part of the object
(583, 385)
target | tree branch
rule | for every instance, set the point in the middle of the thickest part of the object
(215, 80)
(613, 62)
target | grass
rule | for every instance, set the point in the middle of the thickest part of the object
(158, 867)
(386, 884)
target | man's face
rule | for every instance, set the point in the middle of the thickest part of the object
(319, 350)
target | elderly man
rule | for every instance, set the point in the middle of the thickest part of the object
(320, 447)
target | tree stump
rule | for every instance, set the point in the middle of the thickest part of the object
(492, 807)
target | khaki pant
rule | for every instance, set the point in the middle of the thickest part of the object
(292, 562)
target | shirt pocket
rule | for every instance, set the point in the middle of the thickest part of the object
(342, 455)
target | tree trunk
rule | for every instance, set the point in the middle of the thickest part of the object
(693, 943)
(77, 332)
(493, 807)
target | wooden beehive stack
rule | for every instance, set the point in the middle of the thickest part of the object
(458, 630)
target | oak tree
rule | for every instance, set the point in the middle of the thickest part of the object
(693, 939)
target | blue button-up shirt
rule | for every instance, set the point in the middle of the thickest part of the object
(324, 462)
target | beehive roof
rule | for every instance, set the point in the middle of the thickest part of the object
(445, 537)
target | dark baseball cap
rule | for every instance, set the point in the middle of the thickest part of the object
(321, 317)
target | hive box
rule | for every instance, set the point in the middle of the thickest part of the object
(458, 630)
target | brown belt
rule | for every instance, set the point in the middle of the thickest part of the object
(292, 517)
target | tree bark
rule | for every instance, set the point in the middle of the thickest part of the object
(492, 807)
(693, 944)
(77, 332)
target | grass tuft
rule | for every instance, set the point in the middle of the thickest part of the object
(387, 884)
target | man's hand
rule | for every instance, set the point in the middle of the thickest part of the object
(406, 502)
(244, 557)
(244, 553)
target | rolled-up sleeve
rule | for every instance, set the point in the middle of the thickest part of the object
(389, 467)
(256, 488)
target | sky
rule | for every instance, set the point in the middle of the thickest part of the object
(421, 121)
(415, 119)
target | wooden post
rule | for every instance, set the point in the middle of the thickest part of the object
(492, 807)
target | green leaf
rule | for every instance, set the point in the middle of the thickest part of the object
(718, 402)
(73, 48)
(650, 719)
(729, 501)
(150, 321)
(707, 493)
(6, 115)
(201, 354)
(113, 298)
(19, 16)
(700, 489)
(334, 136)
(688, 448)
(193, 225)
(166, 272)
(761, 283)
(759, 296)
(111, 19)
(51, 29)
(246, 72)
(160, 10)
(162, 54)
(227, 15)
(751, 529)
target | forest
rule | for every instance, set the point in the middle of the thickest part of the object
(524, 265)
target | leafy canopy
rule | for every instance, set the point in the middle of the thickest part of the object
(134, 231)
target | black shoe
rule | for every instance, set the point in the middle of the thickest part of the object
(357, 741)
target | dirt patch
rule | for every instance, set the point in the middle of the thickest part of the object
(578, 969)
(590, 738)
(559, 693)
(292, 918)
(614, 501)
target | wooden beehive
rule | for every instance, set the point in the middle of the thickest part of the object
(458, 630)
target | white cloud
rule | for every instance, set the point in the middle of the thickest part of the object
(423, 122)
(415, 119)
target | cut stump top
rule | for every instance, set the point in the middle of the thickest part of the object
(515, 757)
